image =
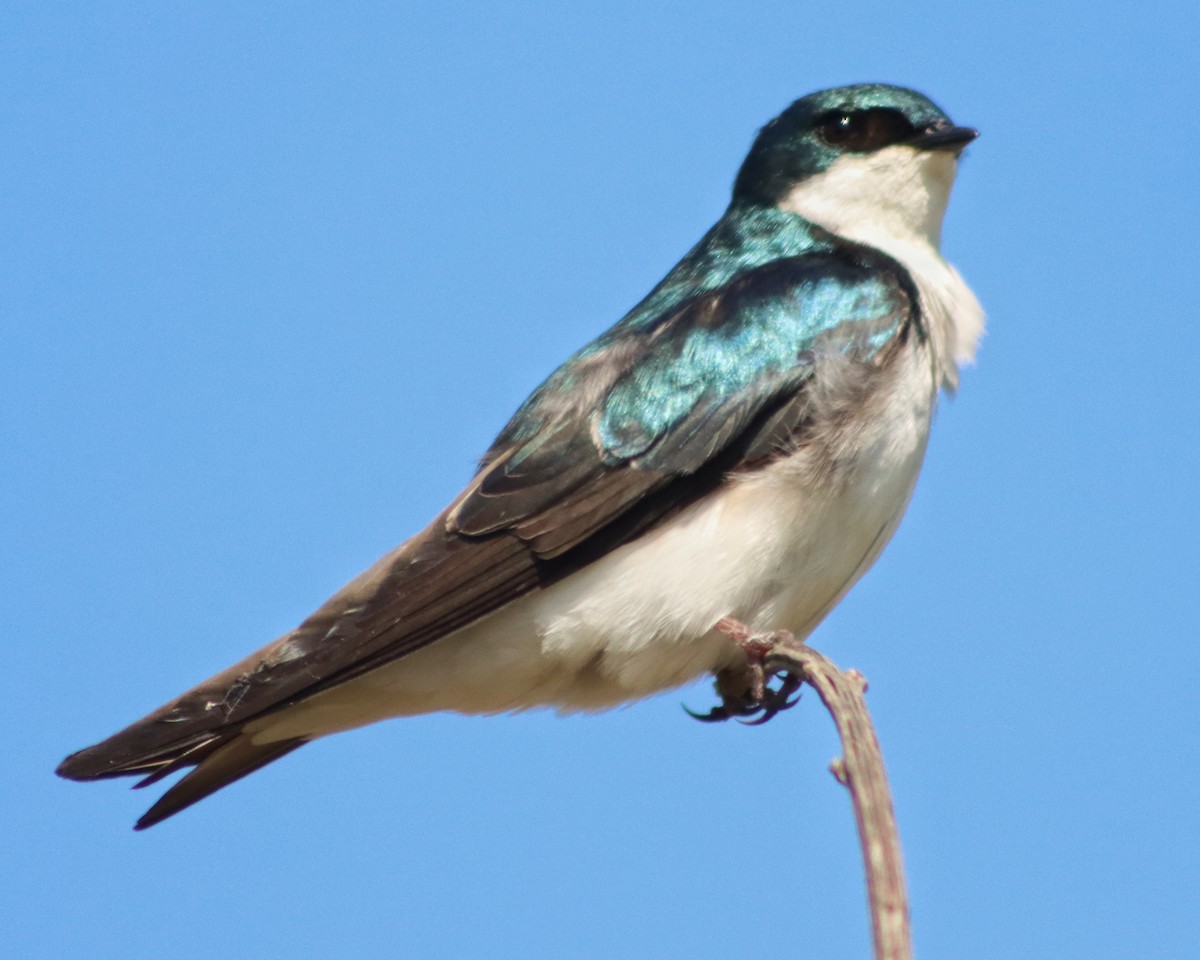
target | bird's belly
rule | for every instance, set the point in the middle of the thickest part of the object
(776, 549)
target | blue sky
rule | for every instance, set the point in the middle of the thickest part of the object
(274, 274)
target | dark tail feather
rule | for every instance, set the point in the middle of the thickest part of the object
(229, 762)
(189, 757)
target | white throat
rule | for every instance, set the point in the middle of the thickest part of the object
(894, 200)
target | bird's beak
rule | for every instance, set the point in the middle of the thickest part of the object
(943, 136)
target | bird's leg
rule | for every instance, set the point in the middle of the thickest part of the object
(756, 647)
(747, 693)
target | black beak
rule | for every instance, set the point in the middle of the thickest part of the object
(943, 137)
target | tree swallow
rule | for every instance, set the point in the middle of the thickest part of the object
(742, 444)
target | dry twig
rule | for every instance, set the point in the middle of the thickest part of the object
(861, 771)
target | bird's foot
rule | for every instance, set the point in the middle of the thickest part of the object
(749, 693)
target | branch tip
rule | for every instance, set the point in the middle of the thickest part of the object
(860, 770)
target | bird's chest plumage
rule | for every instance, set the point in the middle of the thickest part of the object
(839, 518)
(776, 547)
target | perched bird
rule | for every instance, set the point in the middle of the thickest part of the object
(742, 444)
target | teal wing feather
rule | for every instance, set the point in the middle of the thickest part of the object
(652, 403)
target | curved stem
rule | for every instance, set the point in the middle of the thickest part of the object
(861, 771)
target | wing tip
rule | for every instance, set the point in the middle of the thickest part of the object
(87, 764)
(114, 757)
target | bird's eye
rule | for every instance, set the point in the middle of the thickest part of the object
(864, 130)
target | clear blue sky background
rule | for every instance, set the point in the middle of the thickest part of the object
(274, 274)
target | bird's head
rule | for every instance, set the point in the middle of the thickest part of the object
(857, 159)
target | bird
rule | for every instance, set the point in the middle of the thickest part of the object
(738, 448)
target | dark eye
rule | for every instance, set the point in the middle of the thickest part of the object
(864, 130)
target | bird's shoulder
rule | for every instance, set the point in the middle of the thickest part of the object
(746, 316)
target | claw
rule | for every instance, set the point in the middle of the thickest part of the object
(715, 715)
(776, 700)
(758, 708)
(788, 704)
(728, 708)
